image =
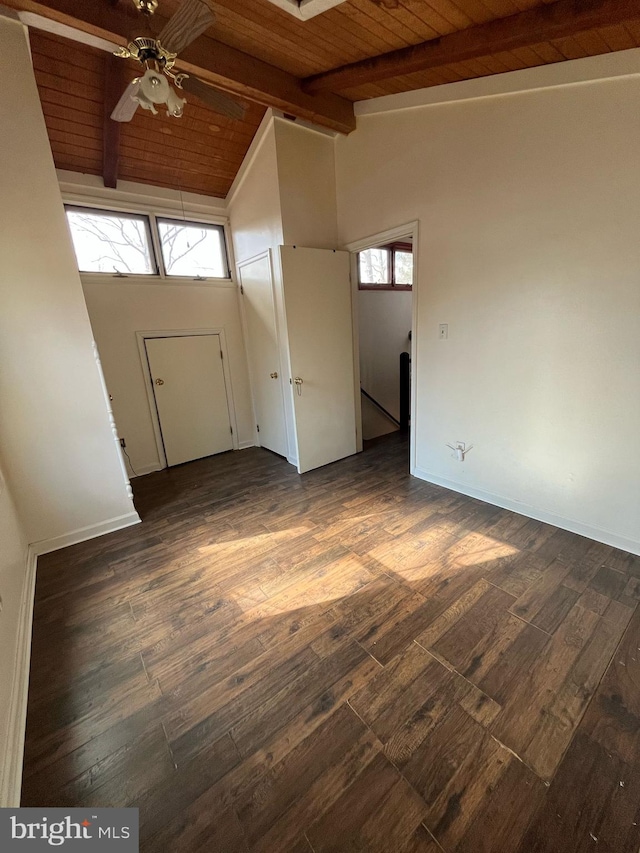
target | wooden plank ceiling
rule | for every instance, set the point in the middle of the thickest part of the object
(202, 151)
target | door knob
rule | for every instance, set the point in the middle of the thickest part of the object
(159, 381)
(274, 375)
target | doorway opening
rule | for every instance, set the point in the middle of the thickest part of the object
(384, 274)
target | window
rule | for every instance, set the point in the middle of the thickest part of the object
(374, 266)
(403, 267)
(119, 243)
(386, 267)
(193, 249)
(111, 242)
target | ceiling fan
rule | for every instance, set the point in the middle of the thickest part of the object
(158, 57)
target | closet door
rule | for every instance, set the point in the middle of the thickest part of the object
(190, 394)
(317, 297)
(258, 307)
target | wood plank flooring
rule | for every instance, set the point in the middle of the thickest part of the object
(351, 660)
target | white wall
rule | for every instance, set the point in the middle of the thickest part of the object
(384, 323)
(118, 310)
(528, 208)
(307, 186)
(13, 562)
(254, 205)
(61, 460)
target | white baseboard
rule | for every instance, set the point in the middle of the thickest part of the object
(573, 526)
(11, 760)
(146, 469)
(44, 546)
(244, 444)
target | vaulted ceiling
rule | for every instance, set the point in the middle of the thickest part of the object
(312, 69)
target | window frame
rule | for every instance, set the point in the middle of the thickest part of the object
(151, 213)
(117, 214)
(162, 218)
(391, 248)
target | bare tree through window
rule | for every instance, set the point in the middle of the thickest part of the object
(192, 249)
(110, 243)
(374, 266)
(403, 267)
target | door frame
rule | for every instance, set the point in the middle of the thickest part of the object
(143, 336)
(245, 332)
(370, 242)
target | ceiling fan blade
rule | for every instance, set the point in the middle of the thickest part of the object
(190, 21)
(212, 98)
(126, 107)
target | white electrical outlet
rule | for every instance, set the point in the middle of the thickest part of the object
(460, 449)
(443, 331)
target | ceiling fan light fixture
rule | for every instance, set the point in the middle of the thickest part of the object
(154, 89)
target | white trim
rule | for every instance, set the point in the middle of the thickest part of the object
(141, 337)
(156, 280)
(40, 22)
(570, 524)
(355, 330)
(574, 72)
(307, 125)
(243, 445)
(145, 469)
(44, 546)
(305, 9)
(388, 236)
(133, 197)
(12, 759)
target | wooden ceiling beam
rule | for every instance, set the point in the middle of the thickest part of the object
(114, 85)
(231, 70)
(551, 21)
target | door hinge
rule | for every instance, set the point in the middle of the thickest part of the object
(221, 356)
(242, 290)
(258, 427)
(231, 429)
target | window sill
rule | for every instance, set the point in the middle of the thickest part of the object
(109, 279)
(404, 287)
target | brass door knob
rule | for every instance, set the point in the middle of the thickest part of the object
(274, 375)
(159, 381)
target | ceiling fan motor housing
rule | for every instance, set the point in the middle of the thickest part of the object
(146, 49)
(147, 7)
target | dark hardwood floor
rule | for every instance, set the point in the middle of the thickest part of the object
(351, 660)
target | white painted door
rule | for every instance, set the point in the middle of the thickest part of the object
(190, 394)
(317, 295)
(263, 351)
